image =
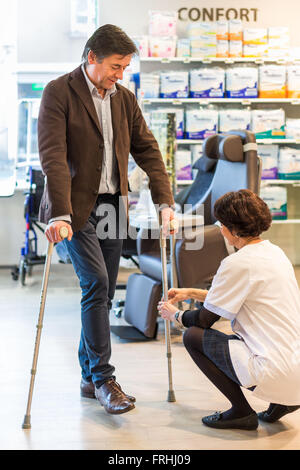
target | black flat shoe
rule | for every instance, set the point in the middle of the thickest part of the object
(249, 422)
(277, 412)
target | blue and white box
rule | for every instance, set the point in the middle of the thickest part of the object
(174, 84)
(242, 82)
(207, 82)
(234, 119)
(200, 123)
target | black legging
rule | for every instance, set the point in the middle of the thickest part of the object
(193, 341)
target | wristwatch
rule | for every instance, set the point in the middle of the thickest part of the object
(176, 316)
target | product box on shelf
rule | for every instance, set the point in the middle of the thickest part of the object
(142, 43)
(269, 157)
(222, 48)
(162, 23)
(149, 85)
(207, 82)
(200, 123)
(293, 81)
(222, 30)
(272, 81)
(235, 48)
(202, 29)
(183, 47)
(235, 30)
(292, 129)
(174, 84)
(183, 164)
(179, 113)
(279, 35)
(234, 119)
(241, 82)
(255, 36)
(268, 123)
(204, 46)
(160, 46)
(255, 50)
(289, 163)
(276, 199)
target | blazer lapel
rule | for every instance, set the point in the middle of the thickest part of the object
(79, 85)
(115, 106)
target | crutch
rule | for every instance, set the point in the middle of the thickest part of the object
(63, 233)
(163, 252)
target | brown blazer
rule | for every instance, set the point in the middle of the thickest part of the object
(71, 148)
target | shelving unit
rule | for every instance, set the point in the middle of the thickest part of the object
(259, 141)
(206, 101)
(283, 232)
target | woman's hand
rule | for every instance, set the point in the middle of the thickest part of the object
(166, 310)
(177, 295)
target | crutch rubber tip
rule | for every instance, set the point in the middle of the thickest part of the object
(26, 423)
(171, 396)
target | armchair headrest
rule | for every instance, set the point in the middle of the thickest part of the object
(224, 147)
(204, 164)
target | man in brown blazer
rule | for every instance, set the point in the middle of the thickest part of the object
(88, 124)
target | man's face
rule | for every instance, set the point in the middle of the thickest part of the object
(109, 71)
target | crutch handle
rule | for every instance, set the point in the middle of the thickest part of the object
(63, 232)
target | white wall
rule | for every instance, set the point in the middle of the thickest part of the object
(44, 32)
(44, 26)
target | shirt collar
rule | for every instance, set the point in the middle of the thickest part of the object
(112, 91)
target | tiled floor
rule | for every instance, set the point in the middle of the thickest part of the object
(62, 420)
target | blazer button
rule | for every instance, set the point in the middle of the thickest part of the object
(95, 193)
(101, 146)
(98, 168)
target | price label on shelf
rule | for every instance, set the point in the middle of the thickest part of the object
(259, 61)
(187, 60)
(176, 102)
(203, 102)
(296, 101)
(229, 61)
(246, 102)
(165, 60)
(207, 61)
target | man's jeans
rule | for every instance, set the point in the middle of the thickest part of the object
(96, 263)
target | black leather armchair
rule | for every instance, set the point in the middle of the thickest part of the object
(237, 167)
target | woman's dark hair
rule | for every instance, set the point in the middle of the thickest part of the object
(243, 212)
(108, 40)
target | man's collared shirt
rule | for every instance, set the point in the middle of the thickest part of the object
(109, 182)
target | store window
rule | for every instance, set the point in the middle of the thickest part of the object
(84, 17)
(8, 98)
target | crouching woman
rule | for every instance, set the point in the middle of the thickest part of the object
(255, 288)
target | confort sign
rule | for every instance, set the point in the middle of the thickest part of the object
(216, 14)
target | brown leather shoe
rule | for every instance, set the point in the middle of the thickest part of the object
(87, 390)
(113, 398)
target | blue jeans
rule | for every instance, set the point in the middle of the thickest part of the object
(96, 263)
